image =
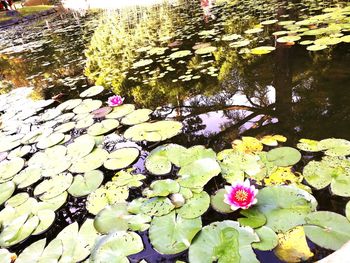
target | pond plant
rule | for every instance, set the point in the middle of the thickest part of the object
(262, 190)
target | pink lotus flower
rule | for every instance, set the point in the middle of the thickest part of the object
(240, 195)
(115, 101)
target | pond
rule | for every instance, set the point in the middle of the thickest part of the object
(224, 72)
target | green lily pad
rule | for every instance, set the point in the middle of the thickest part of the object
(253, 218)
(115, 247)
(327, 229)
(32, 253)
(126, 178)
(309, 145)
(87, 105)
(254, 30)
(330, 170)
(49, 141)
(53, 187)
(157, 206)
(81, 147)
(218, 204)
(17, 199)
(6, 144)
(65, 127)
(262, 50)
(153, 132)
(142, 63)
(6, 191)
(235, 165)
(171, 234)
(284, 206)
(91, 92)
(195, 206)
(198, 173)
(54, 203)
(103, 127)
(287, 39)
(162, 188)
(316, 47)
(112, 218)
(85, 184)
(18, 230)
(85, 122)
(268, 239)
(106, 195)
(121, 158)
(205, 50)
(335, 147)
(52, 252)
(27, 177)
(19, 152)
(347, 210)
(121, 111)
(8, 169)
(50, 114)
(180, 54)
(211, 244)
(137, 117)
(90, 162)
(157, 161)
(284, 156)
(46, 219)
(69, 104)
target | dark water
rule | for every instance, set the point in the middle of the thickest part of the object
(219, 97)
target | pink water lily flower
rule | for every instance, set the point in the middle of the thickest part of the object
(240, 195)
(115, 101)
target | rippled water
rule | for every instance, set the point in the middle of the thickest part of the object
(219, 96)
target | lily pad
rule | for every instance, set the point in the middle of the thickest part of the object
(46, 219)
(180, 54)
(81, 147)
(115, 247)
(85, 184)
(162, 188)
(171, 234)
(53, 187)
(69, 104)
(157, 206)
(112, 218)
(153, 132)
(8, 169)
(205, 50)
(87, 105)
(6, 191)
(121, 111)
(137, 117)
(209, 245)
(217, 202)
(284, 206)
(121, 158)
(92, 91)
(335, 147)
(103, 127)
(268, 239)
(106, 195)
(284, 156)
(197, 174)
(330, 170)
(49, 141)
(195, 206)
(327, 229)
(90, 162)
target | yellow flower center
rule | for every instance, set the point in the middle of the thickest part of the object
(241, 195)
